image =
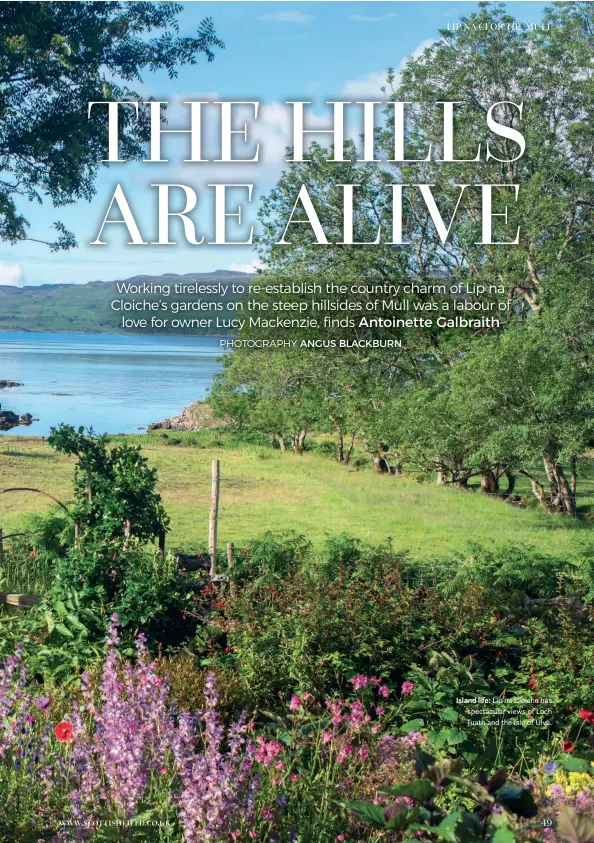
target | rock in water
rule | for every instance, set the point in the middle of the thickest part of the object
(8, 419)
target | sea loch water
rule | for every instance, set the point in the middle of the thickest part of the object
(112, 383)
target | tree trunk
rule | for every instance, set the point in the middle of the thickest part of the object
(127, 532)
(511, 484)
(460, 479)
(562, 498)
(349, 450)
(380, 463)
(441, 472)
(489, 482)
(340, 447)
(89, 485)
(566, 496)
(298, 440)
(573, 475)
(398, 470)
(549, 461)
(281, 443)
(539, 492)
(559, 499)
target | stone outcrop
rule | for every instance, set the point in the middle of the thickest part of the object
(197, 416)
(6, 384)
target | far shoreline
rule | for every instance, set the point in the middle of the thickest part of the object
(115, 333)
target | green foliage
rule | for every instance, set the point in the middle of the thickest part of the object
(491, 402)
(58, 57)
(71, 631)
(495, 803)
(333, 615)
(521, 571)
(274, 557)
(313, 620)
(115, 496)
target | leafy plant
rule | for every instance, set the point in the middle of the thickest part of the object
(496, 802)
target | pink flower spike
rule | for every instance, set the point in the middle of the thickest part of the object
(383, 691)
(295, 703)
(407, 688)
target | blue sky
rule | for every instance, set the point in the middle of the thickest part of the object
(275, 52)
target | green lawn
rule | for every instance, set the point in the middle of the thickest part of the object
(262, 489)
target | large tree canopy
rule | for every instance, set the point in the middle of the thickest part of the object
(54, 59)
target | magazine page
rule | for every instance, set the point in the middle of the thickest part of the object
(296, 421)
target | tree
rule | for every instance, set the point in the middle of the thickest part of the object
(523, 398)
(114, 490)
(55, 58)
(435, 398)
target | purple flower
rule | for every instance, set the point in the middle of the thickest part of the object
(129, 732)
(551, 766)
(217, 785)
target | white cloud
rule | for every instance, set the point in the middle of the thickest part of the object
(290, 16)
(11, 274)
(372, 18)
(365, 87)
(370, 86)
(246, 267)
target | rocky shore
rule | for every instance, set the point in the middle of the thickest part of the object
(8, 419)
(198, 416)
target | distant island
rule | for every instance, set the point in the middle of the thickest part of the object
(85, 308)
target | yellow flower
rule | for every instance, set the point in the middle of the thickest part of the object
(574, 783)
(579, 782)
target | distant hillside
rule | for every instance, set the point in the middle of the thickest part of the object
(85, 308)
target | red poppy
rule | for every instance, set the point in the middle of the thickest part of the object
(588, 716)
(568, 746)
(64, 731)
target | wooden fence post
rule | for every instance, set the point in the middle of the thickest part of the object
(214, 516)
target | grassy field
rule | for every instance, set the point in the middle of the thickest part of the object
(262, 489)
